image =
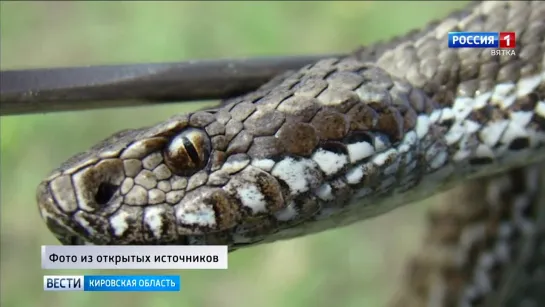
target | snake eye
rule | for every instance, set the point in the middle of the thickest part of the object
(188, 152)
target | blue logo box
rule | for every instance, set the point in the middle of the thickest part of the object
(473, 39)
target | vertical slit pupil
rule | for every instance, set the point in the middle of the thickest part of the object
(191, 151)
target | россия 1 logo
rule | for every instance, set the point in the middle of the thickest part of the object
(501, 43)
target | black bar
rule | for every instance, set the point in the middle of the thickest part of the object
(83, 88)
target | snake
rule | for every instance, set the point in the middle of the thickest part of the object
(343, 140)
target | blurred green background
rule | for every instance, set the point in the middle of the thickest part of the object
(354, 266)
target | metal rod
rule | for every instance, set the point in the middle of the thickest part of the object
(84, 88)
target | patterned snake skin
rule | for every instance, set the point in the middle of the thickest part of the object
(341, 141)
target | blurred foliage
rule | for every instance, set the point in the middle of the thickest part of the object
(354, 266)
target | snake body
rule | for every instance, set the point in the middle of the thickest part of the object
(340, 141)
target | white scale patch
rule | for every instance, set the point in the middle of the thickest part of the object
(264, 164)
(422, 125)
(492, 133)
(120, 222)
(251, 197)
(522, 118)
(540, 108)
(235, 165)
(409, 140)
(504, 95)
(527, 85)
(435, 115)
(287, 214)
(481, 100)
(471, 126)
(324, 192)
(461, 155)
(354, 175)
(447, 114)
(153, 218)
(295, 173)
(514, 130)
(329, 162)
(455, 133)
(462, 107)
(360, 150)
(381, 158)
(196, 214)
(484, 151)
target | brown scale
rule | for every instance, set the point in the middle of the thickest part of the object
(300, 108)
(201, 119)
(330, 124)
(264, 122)
(242, 111)
(346, 80)
(390, 122)
(340, 100)
(214, 129)
(362, 117)
(310, 86)
(298, 138)
(266, 146)
(240, 143)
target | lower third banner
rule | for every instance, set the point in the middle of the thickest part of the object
(112, 283)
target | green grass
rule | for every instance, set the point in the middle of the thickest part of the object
(353, 266)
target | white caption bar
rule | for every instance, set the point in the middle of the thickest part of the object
(134, 257)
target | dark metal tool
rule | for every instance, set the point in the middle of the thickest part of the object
(83, 88)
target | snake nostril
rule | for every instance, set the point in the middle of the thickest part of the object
(105, 192)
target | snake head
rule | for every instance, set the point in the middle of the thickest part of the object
(145, 186)
(178, 182)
